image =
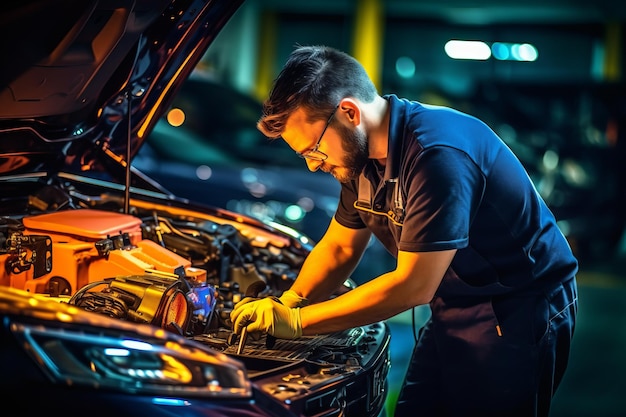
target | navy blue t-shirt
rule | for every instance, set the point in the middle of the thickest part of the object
(451, 183)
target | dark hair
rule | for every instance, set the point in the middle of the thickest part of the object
(316, 78)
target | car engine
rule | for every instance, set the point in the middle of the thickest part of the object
(174, 266)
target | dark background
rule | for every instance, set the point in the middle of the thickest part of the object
(564, 115)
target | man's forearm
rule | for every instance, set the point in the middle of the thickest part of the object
(414, 282)
(371, 302)
(323, 272)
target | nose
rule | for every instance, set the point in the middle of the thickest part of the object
(313, 165)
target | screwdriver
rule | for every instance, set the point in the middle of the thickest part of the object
(253, 290)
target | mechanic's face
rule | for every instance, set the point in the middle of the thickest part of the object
(339, 150)
(354, 156)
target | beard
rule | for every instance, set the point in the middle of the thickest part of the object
(355, 145)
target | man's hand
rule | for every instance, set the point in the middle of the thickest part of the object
(267, 315)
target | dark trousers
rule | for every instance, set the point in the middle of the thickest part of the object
(495, 356)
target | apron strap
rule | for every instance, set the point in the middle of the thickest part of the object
(364, 199)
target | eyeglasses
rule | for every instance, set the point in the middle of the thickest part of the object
(314, 154)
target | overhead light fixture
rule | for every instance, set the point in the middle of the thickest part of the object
(481, 51)
(473, 50)
(505, 51)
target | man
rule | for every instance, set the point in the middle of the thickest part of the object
(471, 235)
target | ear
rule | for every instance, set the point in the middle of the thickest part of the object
(350, 111)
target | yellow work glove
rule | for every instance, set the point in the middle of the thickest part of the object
(291, 299)
(243, 301)
(267, 315)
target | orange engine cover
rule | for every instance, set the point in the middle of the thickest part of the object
(85, 246)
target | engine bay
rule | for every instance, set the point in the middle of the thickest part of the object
(174, 266)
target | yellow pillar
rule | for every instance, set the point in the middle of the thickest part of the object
(613, 52)
(368, 37)
(265, 64)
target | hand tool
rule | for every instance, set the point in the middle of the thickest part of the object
(253, 290)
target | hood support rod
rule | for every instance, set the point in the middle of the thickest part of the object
(127, 180)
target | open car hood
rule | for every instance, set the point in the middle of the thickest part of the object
(83, 82)
(81, 86)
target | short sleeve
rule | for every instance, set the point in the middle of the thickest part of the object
(443, 188)
(346, 214)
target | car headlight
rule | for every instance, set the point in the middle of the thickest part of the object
(155, 367)
(79, 348)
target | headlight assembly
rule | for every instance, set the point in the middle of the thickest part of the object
(156, 366)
